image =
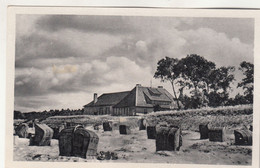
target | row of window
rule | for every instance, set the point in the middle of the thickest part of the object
(101, 110)
(104, 110)
(122, 111)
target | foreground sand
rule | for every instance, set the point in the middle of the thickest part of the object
(136, 148)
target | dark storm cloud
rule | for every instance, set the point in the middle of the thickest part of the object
(70, 86)
(35, 88)
(242, 28)
(29, 88)
(40, 82)
(32, 102)
(27, 85)
(100, 24)
(36, 46)
(233, 27)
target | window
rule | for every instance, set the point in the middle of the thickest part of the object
(127, 111)
(101, 110)
(154, 92)
(107, 110)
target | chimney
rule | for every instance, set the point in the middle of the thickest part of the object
(95, 98)
(160, 86)
(138, 85)
(136, 93)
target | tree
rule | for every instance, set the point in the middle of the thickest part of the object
(193, 101)
(197, 70)
(18, 115)
(217, 99)
(207, 84)
(208, 81)
(223, 78)
(248, 81)
(219, 85)
(227, 77)
(168, 70)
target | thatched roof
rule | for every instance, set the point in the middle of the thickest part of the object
(108, 99)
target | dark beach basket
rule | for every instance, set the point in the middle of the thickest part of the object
(78, 142)
(217, 134)
(204, 131)
(124, 129)
(65, 141)
(22, 130)
(85, 143)
(107, 126)
(151, 132)
(168, 138)
(56, 131)
(43, 135)
(141, 124)
(243, 137)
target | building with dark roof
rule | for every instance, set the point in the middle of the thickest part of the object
(104, 103)
(139, 100)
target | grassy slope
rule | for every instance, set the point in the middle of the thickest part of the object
(232, 117)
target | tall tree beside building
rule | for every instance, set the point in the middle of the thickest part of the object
(247, 82)
(196, 71)
(207, 84)
(220, 80)
(168, 70)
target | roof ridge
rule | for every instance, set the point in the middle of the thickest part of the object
(114, 92)
(151, 87)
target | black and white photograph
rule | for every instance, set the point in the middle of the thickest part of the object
(124, 87)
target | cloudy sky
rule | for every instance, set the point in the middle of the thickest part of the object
(61, 61)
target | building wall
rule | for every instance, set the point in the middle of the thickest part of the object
(131, 111)
(144, 110)
(99, 110)
(125, 111)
